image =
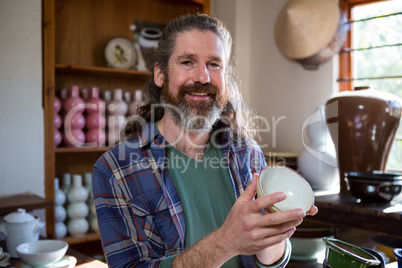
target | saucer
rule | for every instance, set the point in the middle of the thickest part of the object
(5, 259)
(65, 262)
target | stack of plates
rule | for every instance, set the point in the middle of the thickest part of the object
(4, 258)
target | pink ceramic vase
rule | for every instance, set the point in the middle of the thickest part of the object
(96, 137)
(95, 120)
(57, 138)
(73, 103)
(76, 121)
(57, 121)
(94, 103)
(57, 104)
(137, 102)
(74, 137)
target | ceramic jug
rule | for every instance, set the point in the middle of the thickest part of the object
(363, 125)
(20, 227)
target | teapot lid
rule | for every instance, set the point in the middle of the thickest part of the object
(19, 216)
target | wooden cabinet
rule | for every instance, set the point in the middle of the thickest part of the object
(75, 33)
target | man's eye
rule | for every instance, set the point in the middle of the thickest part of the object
(214, 65)
(186, 63)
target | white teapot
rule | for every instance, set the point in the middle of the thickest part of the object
(20, 227)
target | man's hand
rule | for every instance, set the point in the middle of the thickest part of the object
(246, 231)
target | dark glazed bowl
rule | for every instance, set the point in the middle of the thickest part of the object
(374, 186)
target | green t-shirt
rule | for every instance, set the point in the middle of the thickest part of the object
(206, 193)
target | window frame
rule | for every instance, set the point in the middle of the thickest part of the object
(345, 59)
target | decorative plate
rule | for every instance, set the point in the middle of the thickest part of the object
(120, 53)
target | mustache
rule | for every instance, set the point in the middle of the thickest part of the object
(199, 88)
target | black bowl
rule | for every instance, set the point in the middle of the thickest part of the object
(374, 186)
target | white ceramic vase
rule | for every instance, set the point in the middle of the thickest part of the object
(77, 192)
(60, 230)
(77, 209)
(78, 227)
(117, 110)
(317, 162)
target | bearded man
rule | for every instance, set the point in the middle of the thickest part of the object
(180, 190)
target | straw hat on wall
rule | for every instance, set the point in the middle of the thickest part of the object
(305, 27)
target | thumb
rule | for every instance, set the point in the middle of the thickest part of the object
(251, 189)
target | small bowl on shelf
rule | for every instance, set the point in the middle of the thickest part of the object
(374, 186)
(42, 253)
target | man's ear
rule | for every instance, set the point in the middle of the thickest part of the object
(159, 76)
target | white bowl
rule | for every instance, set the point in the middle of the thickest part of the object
(42, 252)
(278, 178)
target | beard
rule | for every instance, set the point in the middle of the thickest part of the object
(194, 115)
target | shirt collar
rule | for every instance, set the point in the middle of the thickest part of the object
(150, 134)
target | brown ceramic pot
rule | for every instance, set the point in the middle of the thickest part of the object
(362, 124)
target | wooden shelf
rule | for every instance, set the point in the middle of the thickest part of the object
(62, 150)
(99, 71)
(345, 210)
(90, 237)
(28, 202)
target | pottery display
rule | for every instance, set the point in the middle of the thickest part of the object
(148, 42)
(77, 209)
(20, 227)
(94, 103)
(362, 124)
(78, 227)
(95, 119)
(117, 110)
(74, 121)
(74, 101)
(57, 121)
(59, 200)
(317, 161)
(60, 230)
(138, 101)
(74, 137)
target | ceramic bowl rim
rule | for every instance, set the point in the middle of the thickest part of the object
(381, 176)
(61, 242)
(329, 242)
(312, 199)
(398, 252)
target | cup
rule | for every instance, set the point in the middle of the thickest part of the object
(277, 178)
(398, 255)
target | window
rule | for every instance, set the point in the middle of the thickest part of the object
(372, 54)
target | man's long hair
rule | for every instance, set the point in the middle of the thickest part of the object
(235, 114)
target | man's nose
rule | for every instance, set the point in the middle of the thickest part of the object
(201, 74)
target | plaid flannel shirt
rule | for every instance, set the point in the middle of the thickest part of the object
(139, 213)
